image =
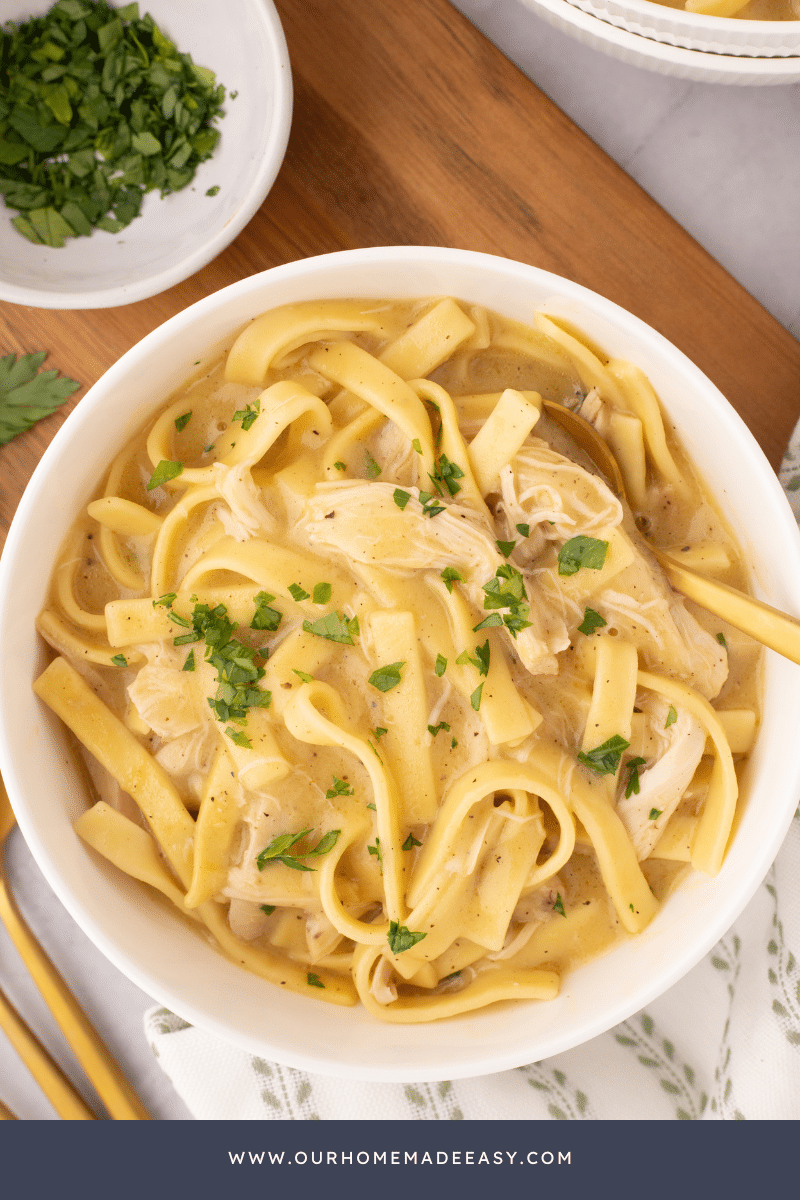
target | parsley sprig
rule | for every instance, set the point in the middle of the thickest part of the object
(26, 394)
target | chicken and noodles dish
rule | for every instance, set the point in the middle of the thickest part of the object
(374, 677)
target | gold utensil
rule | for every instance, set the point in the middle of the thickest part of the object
(51, 1079)
(6, 1113)
(765, 624)
(94, 1056)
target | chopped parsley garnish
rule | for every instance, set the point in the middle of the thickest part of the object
(298, 593)
(591, 621)
(475, 698)
(165, 471)
(322, 593)
(25, 396)
(314, 980)
(416, 444)
(182, 422)
(177, 619)
(446, 475)
(605, 759)
(672, 717)
(400, 497)
(334, 627)
(249, 414)
(654, 814)
(632, 788)
(480, 660)
(213, 191)
(434, 729)
(167, 600)
(371, 467)
(237, 674)
(188, 662)
(339, 788)
(410, 843)
(378, 732)
(721, 640)
(400, 938)
(429, 506)
(524, 530)
(340, 466)
(490, 622)
(441, 665)
(264, 616)
(453, 744)
(505, 548)
(99, 107)
(581, 551)
(269, 909)
(559, 905)
(450, 576)
(119, 660)
(375, 851)
(386, 678)
(506, 589)
(306, 678)
(240, 738)
(374, 807)
(279, 847)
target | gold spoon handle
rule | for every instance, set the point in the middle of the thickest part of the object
(92, 1053)
(6, 1114)
(51, 1079)
(767, 625)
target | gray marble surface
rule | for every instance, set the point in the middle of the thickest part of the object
(724, 162)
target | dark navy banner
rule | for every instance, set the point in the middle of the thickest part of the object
(414, 1159)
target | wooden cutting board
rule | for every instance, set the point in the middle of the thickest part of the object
(411, 128)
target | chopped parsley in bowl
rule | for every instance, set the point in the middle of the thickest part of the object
(134, 146)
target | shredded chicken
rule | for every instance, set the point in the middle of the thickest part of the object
(246, 514)
(661, 784)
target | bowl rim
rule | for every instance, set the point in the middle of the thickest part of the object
(700, 22)
(651, 49)
(279, 67)
(482, 1061)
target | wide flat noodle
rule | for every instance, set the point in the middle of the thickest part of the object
(440, 717)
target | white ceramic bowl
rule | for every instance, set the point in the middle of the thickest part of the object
(243, 44)
(683, 44)
(180, 969)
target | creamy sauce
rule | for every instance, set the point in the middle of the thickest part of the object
(374, 555)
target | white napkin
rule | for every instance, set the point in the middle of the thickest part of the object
(723, 1044)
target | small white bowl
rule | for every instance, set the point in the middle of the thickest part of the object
(243, 44)
(167, 959)
(679, 43)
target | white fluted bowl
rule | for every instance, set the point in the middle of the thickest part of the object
(683, 44)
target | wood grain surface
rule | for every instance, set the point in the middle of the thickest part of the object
(411, 128)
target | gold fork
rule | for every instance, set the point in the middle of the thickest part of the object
(91, 1052)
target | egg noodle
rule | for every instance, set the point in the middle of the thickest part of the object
(374, 676)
